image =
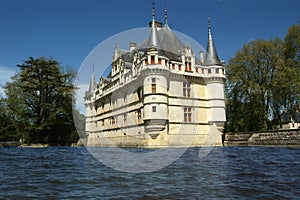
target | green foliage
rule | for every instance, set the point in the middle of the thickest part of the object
(39, 99)
(263, 80)
(7, 125)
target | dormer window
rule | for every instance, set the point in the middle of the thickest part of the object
(188, 66)
(152, 59)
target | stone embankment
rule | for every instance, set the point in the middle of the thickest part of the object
(10, 144)
(290, 137)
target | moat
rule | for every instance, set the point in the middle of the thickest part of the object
(225, 173)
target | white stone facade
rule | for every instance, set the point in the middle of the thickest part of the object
(155, 97)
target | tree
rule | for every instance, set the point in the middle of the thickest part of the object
(251, 79)
(40, 97)
(292, 60)
(7, 125)
(263, 81)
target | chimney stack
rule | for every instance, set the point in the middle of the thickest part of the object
(132, 46)
(201, 57)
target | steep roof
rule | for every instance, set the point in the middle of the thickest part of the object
(211, 57)
(93, 84)
(163, 39)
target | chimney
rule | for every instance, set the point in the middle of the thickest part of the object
(132, 46)
(201, 57)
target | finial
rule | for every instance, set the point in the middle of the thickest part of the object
(153, 10)
(166, 14)
(208, 21)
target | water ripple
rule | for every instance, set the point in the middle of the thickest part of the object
(226, 173)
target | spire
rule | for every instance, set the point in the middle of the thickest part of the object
(153, 40)
(211, 57)
(93, 84)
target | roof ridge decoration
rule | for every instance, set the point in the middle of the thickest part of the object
(166, 26)
(211, 57)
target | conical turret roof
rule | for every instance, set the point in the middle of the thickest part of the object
(211, 57)
(93, 84)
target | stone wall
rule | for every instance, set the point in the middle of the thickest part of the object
(9, 144)
(267, 138)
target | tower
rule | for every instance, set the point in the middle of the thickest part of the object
(155, 83)
(89, 104)
(215, 83)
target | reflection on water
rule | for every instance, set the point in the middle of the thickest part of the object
(226, 173)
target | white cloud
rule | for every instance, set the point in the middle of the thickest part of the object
(5, 75)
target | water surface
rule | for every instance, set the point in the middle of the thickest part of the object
(226, 173)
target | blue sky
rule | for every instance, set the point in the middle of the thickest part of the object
(68, 30)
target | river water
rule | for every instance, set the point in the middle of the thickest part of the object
(225, 173)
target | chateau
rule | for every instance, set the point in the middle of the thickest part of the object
(158, 94)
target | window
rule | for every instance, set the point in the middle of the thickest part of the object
(113, 120)
(188, 66)
(153, 88)
(179, 67)
(152, 59)
(153, 108)
(209, 71)
(173, 66)
(140, 93)
(159, 61)
(196, 70)
(187, 114)
(153, 85)
(139, 116)
(186, 89)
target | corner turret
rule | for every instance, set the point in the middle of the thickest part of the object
(93, 84)
(211, 57)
